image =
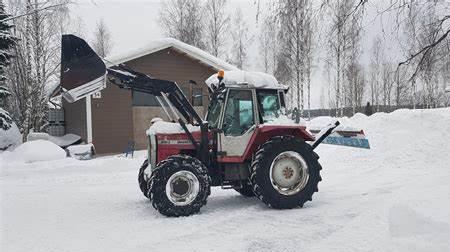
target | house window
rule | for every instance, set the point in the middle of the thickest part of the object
(197, 96)
(185, 91)
(144, 99)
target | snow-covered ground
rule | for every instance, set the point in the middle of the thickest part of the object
(393, 197)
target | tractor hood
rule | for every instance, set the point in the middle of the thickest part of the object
(245, 79)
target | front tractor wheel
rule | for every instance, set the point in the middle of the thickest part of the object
(179, 186)
(285, 172)
(143, 178)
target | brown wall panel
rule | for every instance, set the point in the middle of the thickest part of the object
(168, 64)
(112, 120)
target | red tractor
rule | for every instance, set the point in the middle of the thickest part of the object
(236, 147)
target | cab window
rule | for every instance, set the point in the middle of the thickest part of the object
(269, 103)
(238, 116)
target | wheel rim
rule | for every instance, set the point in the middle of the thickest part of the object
(289, 173)
(182, 188)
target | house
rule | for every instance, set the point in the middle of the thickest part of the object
(113, 117)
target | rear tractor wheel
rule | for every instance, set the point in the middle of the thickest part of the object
(179, 186)
(285, 172)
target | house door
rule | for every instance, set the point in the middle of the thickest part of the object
(238, 123)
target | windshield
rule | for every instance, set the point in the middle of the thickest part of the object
(214, 112)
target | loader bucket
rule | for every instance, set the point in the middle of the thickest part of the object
(350, 138)
(83, 72)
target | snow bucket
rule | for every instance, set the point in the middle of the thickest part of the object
(83, 72)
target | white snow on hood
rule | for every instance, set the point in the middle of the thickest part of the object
(282, 120)
(161, 127)
(240, 78)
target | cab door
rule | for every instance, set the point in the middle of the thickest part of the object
(239, 122)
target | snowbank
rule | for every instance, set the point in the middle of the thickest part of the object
(62, 141)
(240, 78)
(161, 127)
(10, 138)
(321, 122)
(33, 151)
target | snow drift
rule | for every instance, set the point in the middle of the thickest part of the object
(62, 141)
(33, 151)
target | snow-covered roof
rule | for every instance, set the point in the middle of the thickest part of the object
(239, 78)
(447, 89)
(161, 44)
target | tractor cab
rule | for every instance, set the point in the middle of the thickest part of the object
(240, 103)
(236, 109)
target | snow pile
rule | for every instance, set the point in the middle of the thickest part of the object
(33, 151)
(62, 141)
(162, 127)
(161, 44)
(10, 138)
(321, 122)
(239, 78)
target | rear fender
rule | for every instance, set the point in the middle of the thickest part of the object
(262, 134)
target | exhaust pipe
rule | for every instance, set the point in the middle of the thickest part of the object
(83, 72)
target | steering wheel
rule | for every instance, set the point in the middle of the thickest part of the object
(228, 118)
(227, 121)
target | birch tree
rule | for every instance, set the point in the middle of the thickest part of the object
(340, 30)
(295, 31)
(375, 71)
(217, 26)
(387, 74)
(102, 43)
(241, 40)
(36, 61)
(182, 20)
(354, 76)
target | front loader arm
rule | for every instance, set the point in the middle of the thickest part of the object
(126, 78)
(83, 73)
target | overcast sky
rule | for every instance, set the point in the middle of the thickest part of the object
(135, 22)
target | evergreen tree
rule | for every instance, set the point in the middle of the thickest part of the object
(368, 110)
(7, 41)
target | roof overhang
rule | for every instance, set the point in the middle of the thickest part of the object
(162, 44)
